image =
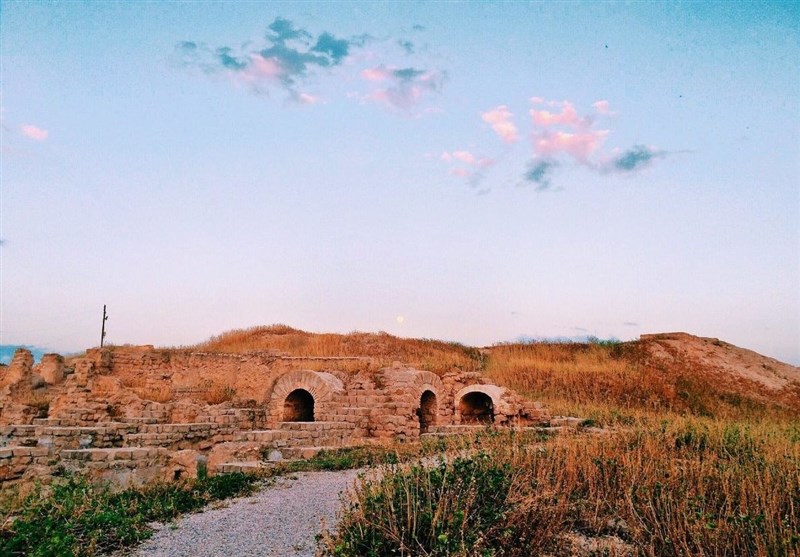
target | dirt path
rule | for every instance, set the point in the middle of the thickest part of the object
(282, 520)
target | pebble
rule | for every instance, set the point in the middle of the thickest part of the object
(282, 520)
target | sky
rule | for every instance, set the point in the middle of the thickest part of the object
(473, 172)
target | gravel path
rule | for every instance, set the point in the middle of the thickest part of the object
(281, 520)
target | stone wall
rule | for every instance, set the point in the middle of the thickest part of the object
(117, 411)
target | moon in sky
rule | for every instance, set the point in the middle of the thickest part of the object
(400, 319)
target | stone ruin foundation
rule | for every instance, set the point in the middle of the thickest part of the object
(136, 414)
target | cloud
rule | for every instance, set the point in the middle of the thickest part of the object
(307, 98)
(635, 158)
(283, 29)
(34, 132)
(560, 137)
(564, 131)
(7, 352)
(401, 88)
(406, 45)
(290, 55)
(567, 117)
(578, 145)
(499, 118)
(630, 324)
(539, 172)
(467, 158)
(466, 165)
(602, 107)
(336, 49)
(464, 156)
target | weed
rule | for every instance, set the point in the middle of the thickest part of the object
(683, 486)
(79, 518)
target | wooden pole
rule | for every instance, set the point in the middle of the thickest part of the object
(103, 330)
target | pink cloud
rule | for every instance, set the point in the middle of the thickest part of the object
(578, 145)
(33, 132)
(402, 87)
(602, 107)
(464, 156)
(379, 73)
(307, 98)
(567, 117)
(499, 119)
(467, 158)
(259, 74)
(261, 67)
(460, 172)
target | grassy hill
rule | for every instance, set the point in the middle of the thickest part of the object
(607, 380)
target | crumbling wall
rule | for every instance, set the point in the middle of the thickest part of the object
(115, 411)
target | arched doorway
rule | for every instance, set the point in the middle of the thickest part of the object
(428, 408)
(476, 408)
(298, 406)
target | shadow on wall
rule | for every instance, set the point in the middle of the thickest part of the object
(428, 409)
(476, 408)
(298, 406)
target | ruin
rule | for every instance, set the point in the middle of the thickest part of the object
(135, 414)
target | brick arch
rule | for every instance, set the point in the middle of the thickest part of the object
(320, 384)
(427, 381)
(428, 411)
(494, 392)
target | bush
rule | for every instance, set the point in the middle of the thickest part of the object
(441, 510)
(686, 487)
(80, 518)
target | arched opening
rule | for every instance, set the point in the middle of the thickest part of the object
(476, 408)
(298, 406)
(428, 408)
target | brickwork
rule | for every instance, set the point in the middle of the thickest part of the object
(136, 413)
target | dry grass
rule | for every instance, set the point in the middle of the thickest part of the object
(383, 348)
(155, 393)
(596, 379)
(620, 378)
(217, 393)
(39, 401)
(687, 487)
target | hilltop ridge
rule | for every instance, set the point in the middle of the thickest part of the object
(674, 370)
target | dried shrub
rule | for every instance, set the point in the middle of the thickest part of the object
(680, 487)
(217, 394)
(38, 401)
(155, 393)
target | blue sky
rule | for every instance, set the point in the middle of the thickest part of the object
(472, 172)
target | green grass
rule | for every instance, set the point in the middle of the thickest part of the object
(74, 516)
(77, 517)
(682, 487)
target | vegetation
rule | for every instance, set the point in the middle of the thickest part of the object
(77, 517)
(611, 380)
(692, 463)
(604, 378)
(382, 348)
(688, 486)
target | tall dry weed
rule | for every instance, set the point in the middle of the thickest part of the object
(687, 487)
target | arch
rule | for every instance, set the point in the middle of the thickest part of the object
(476, 408)
(428, 410)
(320, 385)
(298, 406)
(479, 404)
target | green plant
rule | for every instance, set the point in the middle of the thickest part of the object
(77, 517)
